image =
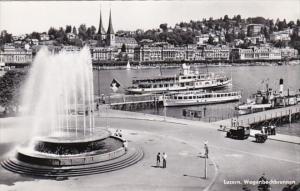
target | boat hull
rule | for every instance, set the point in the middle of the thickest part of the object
(191, 102)
(177, 88)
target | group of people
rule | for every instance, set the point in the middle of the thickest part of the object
(270, 130)
(118, 133)
(164, 160)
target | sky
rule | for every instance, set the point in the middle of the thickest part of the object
(19, 17)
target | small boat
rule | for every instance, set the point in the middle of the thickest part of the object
(128, 67)
(189, 98)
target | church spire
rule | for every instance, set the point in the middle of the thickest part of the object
(110, 29)
(101, 30)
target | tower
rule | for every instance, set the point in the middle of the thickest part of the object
(101, 31)
(110, 35)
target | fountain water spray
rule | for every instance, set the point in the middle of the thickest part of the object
(59, 94)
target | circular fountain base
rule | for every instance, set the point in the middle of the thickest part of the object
(64, 157)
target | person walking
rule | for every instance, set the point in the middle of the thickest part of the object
(164, 157)
(125, 144)
(205, 149)
(158, 159)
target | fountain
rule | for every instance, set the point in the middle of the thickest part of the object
(58, 101)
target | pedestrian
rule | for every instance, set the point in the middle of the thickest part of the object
(273, 130)
(158, 159)
(164, 157)
(125, 144)
(120, 133)
(97, 106)
(205, 149)
(117, 133)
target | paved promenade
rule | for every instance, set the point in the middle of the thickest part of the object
(182, 140)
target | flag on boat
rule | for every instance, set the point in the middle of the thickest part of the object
(114, 85)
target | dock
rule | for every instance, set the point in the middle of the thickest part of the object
(133, 102)
(269, 117)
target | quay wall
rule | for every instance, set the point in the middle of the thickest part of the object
(116, 64)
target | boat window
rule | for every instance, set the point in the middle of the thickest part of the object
(166, 85)
(194, 97)
(171, 85)
(179, 97)
(206, 83)
(154, 86)
(218, 95)
(160, 85)
(190, 97)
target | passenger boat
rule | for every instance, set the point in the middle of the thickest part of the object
(269, 99)
(182, 82)
(188, 98)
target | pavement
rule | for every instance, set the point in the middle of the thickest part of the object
(230, 163)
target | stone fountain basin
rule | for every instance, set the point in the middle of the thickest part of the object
(68, 151)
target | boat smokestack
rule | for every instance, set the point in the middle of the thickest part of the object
(281, 85)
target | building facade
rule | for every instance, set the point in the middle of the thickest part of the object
(104, 53)
(216, 53)
(10, 54)
(167, 53)
(263, 53)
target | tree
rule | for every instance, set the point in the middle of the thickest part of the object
(10, 90)
(68, 29)
(266, 33)
(229, 37)
(82, 32)
(241, 35)
(164, 26)
(52, 32)
(123, 48)
(210, 40)
(35, 35)
(259, 20)
(5, 37)
(238, 18)
(74, 30)
(226, 18)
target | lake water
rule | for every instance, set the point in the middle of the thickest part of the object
(247, 79)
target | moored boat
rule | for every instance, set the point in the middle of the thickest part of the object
(189, 98)
(269, 99)
(187, 80)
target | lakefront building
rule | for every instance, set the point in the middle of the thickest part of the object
(263, 53)
(11, 54)
(167, 52)
(216, 53)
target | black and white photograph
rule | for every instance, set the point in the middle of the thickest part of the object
(150, 95)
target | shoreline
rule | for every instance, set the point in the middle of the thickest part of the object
(108, 65)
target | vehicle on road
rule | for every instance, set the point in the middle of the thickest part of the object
(240, 132)
(260, 138)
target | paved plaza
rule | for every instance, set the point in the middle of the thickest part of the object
(182, 140)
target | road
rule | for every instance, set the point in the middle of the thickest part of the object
(230, 160)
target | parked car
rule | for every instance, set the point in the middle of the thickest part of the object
(239, 133)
